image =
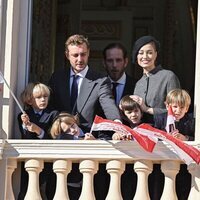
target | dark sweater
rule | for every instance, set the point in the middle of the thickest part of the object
(44, 121)
(186, 125)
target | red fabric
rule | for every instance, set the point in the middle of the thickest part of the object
(105, 124)
(193, 152)
(145, 135)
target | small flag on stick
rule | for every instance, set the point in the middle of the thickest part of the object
(170, 125)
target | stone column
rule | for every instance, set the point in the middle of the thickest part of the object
(11, 166)
(62, 169)
(33, 167)
(170, 170)
(143, 168)
(88, 168)
(115, 168)
(194, 169)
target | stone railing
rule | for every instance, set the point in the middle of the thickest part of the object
(89, 154)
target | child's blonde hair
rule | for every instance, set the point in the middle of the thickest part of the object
(36, 89)
(180, 97)
(67, 118)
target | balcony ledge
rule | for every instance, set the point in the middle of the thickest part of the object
(86, 149)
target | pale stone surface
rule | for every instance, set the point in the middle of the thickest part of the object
(62, 168)
(143, 168)
(88, 168)
(170, 170)
(115, 168)
(33, 167)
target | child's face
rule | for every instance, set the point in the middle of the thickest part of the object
(178, 111)
(71, 129)
(133, 115)
(39, 102)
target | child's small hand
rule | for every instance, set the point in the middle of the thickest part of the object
(179, 136)
(121, 136)
(25, 119)
(89, 136)
(128, 137)
(174, 132)
(33, 128)
(117, 136)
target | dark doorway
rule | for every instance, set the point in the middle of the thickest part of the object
(173, 23)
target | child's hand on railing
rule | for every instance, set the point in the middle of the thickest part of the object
(121, 136)
(89, 136)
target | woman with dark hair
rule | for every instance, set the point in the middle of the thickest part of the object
(150, 93)
(151, 89)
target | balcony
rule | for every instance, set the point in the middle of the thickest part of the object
(89, 154)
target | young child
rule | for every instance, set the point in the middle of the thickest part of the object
(180, 101)
(131, 113)
(34, 124)
(37, 119)
(132, 116)
(65, 126)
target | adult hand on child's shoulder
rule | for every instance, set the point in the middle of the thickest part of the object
(142, 104)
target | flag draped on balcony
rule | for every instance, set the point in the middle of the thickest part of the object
(145, 141)
(185, 151)
(147, 136)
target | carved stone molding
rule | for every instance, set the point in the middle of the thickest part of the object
(105, 29)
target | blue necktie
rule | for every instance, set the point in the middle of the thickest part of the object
(74, 91)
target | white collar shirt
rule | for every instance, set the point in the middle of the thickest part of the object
(81, 75)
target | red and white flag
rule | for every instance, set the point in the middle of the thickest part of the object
(145, 141)
(147, 136)
(170, 125)
(186, 152)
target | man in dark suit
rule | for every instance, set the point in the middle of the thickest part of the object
(92, 88)
(115, 61)
(80, 90)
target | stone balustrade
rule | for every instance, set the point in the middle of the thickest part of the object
(115, 154)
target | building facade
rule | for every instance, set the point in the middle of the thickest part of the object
(22, 55)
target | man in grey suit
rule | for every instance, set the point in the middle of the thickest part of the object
(92, 88)
(93, 91)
